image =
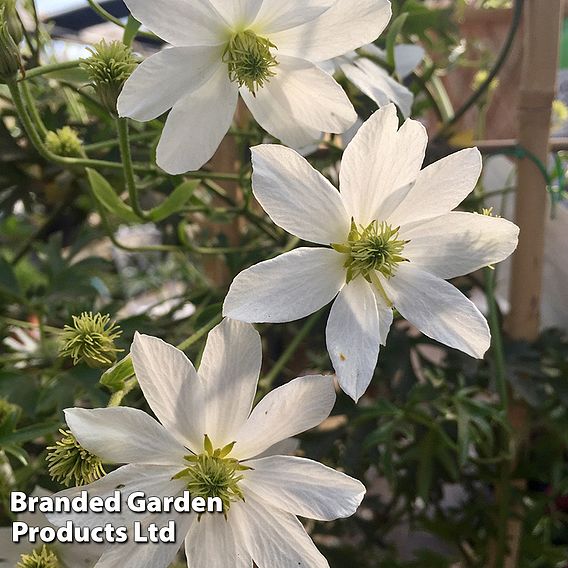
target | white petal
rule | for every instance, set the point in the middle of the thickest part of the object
(229, 370)
(346, 26)
(164, 78)
(379, 164)
(124, 435)
(286, 288)
(300, 94)
(214, 542)
(440, 187)
(284, 412)
(377, 84)
(406, 58)
(240, 14)
(180, 22)
(352, 337)
(297, 197)
(286, 447)
(304, 487)
(386, 316)
(197, 124)
(275, 15)
(149, 555)
(153, 480)
(274, 538)
(172, 388)
(438, 310)
(460, 243)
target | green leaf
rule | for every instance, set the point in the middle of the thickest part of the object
(394, 29)
(130, 31)
(175, 201)
(8, 281)
(115, 377)
(30, 433)
(107, 197)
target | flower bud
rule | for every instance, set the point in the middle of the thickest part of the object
(91, 339)
(43, 557)
(109, 67)
(71, 464)
(10, 60)
(14, 25)
(64, 142)
(9, 416)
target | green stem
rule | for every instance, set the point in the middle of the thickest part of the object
(124, 144)
(117, 397)
(269, 378)
(110, 18)
(32, 109)
(200, 333)
(29, 325)
(50, 68)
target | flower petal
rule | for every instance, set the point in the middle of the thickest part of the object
(300, 94)
(440, 187)
(275, 15)
(180, 22)
(377, 84)
(213, 542)
(240, 14)
(197, 124)
(346, 26)
(284, 412)
(352, 337)
(124, 435)
(286, 288)
(407, 57)
(229, 370)
(275, 538)
(303, 487)
(460, 243)
(172, 388)
(164, 78)
(154, 480)
(438, 310)
(297, 197)
(286, 447)
(379, 164)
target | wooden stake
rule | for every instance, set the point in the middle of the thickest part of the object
(538, 89)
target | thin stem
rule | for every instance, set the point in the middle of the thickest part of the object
(269, 378)
(517, 14)
(29, 325)
(200, 333)
(124, 144)
(50, 68)
(32, 109)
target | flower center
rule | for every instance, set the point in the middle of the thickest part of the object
(375, 248)
(213, 474)
(250, 60)
(41, 558)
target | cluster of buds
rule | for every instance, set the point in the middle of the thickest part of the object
(109, 67)
(64, 142)
(11, 34)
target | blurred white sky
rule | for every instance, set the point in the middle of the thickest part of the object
(56, 6)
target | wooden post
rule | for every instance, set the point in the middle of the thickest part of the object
(538, 89)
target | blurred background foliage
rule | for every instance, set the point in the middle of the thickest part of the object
(430, 439)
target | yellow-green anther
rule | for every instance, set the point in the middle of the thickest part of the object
(250, 60)
(109, 66)
(41, 558)
(375, 248)
(213, 474)
(10, 59)
(64, 142)
(91, 339)
(72, 465)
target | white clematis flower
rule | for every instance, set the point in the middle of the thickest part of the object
(393, 241)
(263, 49)
(373, 80)
(207, 431)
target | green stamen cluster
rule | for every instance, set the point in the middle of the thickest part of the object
(91, 339)
(44, 558)
(109, 66)
(72, 465)
(213, 474)
(250, 60)
(64, 142)
(375, 248)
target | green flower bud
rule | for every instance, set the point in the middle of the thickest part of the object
(14, 25)
(41, 558)
(109, 67)
(10, 60)
(9, 416)
(64, 142)
(91, 339)
(72, 465)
